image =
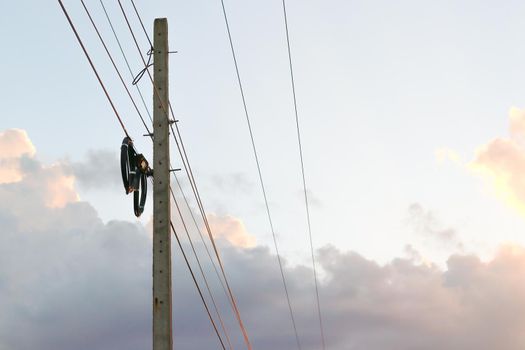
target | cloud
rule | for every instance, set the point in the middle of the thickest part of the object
(231, 229)
(425, 223)
(14, 145)
(51, 185)
(70, 281)
(99, 170)
(517, 123)
(57, 182)
(502, 163)
(87, 285)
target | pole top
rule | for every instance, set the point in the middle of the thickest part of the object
(161, 19)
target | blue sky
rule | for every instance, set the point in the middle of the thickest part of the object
(380, 87)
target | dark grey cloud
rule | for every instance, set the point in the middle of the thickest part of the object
(70, 281)
(99, 169)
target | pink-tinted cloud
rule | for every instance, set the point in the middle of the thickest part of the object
(232, 230)
(59, 186)
(502, 162)
(14, 144)
(10, 171)
(19, 167)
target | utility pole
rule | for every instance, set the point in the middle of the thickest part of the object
(162, 324)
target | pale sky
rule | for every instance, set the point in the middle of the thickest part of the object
(397, 100)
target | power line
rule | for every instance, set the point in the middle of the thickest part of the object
(201, 237)
(114, 65)
(189, 238)
(192, 181)
(260, 174)
(180, 245)
(321, 328)
(146, 64)
(197, 285)
(200, 268)
(189, 171)
(180, 214)
(141, 23)
(93, 67)
(126, 60)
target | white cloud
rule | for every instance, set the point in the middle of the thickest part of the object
(69, 281)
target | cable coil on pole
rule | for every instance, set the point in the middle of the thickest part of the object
(135, 170)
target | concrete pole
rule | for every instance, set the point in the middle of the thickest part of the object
(162, 324)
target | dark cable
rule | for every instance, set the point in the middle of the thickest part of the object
(260, 174)
(141, 23)
(93, 67)
(126, 60)
(200, 268)
(208, 228)
(120, 76)
(237, 313)
(321, 328)
(142, 72)
(197, 285)
(125, 131)
(201, 237)
(114, 65)
(178, 183)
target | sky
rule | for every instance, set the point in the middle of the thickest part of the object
(412, 116)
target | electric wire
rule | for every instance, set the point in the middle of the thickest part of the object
(189, 171)
(145, 70)
(115, 65)
(141, 22)
(93, 67)
(192, 181)
(185, 155)
(307, 207)
(125, 131)
(197, 285)
(201, 236)
(125, 59)
(200, 268)
(173, 195)
(260, 174)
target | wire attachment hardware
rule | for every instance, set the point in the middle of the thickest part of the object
(139, 76)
